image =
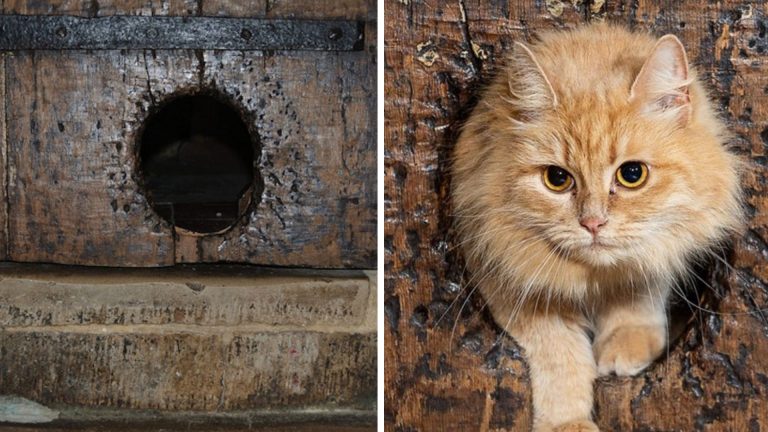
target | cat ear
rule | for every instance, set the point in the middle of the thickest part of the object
(529, 87)
(662, 84)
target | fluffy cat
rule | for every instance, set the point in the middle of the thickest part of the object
(589, 176)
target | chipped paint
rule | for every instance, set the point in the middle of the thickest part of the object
(747, 14)
(723, 41)
(596, 6)
(479, 51)
(555, 7)
(426, 53)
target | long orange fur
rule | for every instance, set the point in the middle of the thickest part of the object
(589, 100)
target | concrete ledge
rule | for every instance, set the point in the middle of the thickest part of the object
(181, 371)
(305, 420)
(56, 296)
(190, 339)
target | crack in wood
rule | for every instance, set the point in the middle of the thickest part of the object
(471, 56)
(200, 66)
(149, 80)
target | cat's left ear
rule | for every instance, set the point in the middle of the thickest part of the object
(662, 84)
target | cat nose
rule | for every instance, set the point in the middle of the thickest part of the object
(593, 224)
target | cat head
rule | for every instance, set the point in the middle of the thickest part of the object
(604, 152)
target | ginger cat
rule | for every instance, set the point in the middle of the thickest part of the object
(589, 176)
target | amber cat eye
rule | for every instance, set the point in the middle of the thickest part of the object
(557, 179)
(632, 174)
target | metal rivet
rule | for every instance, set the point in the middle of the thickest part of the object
(335, 34)
(62, 32)
(246, 34)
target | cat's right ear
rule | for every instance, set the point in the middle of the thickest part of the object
(529, 86)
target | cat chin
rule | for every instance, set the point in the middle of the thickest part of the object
(601, 256)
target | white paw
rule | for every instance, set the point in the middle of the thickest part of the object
(577, 426)
(628, 350)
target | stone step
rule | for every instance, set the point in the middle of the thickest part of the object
(151, 427)
(35, 296)
(107, 420)
(198, 339)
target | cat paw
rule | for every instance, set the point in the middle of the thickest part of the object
(577, 426)
(628, 350)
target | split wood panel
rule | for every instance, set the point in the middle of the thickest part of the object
(74, 193)
(448, 367)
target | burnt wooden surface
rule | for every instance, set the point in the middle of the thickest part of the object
(73, 119)
(437, 55)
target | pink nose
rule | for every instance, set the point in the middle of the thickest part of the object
(593, 224)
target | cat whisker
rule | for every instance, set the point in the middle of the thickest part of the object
(486, 274)
(526, 292)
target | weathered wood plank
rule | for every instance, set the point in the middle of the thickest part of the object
(73, 188)
(717, 374)
(437, 379)
(92, 8)
(3, 163)
(358, 9)
(243, 8)
(340, 9)
(318, 205)
(447, 370)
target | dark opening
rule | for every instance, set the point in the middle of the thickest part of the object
(696, 298)
(197, 161)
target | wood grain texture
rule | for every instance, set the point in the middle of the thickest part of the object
(93, 8)
(3, 165)
(75, 193)
(318, 204)
(73, 187)
(340, 9)
(447, 366)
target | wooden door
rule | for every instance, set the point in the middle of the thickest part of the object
(80, 80)
(458, 374)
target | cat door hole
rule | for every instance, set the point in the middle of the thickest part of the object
(696, 298)
(197, 162)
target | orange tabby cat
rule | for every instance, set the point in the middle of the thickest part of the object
(585, 181)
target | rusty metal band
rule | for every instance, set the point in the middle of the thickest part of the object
(18, 32)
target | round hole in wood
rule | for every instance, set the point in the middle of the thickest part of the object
(697, 296)
(197, 163)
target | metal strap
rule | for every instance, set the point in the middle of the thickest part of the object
(18, 32)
